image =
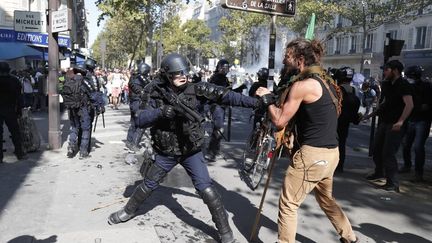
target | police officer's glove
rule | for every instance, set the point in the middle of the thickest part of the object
(168, 111)
(267, 100)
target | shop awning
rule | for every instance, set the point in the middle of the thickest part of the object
(13, 50)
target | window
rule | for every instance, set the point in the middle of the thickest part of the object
(338, 45)
(353, 47)
(393, 34)
(420, 37)
(339, 21)
(368, 43)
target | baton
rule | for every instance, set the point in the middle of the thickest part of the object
(103, 120)
(94, 128)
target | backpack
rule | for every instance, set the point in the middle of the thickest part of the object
(72, 94)
(350, 106)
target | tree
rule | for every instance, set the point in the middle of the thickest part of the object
(122, 39)
(367, 15)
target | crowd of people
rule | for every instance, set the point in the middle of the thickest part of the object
(170, 105)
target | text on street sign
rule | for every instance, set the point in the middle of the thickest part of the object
(274, 7)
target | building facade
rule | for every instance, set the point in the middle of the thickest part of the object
(345, 49)
(30, 48)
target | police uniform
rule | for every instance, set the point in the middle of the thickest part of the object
(218, 118)
(178, 140)
(81, 118)
(136, 87)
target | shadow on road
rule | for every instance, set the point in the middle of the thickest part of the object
(381, 234)
(32, 239)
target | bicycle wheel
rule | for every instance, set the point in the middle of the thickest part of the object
(251, 150)
(261, 163)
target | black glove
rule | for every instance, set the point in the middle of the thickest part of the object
(168, 111)
(268, 99)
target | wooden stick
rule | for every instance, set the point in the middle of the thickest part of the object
(109, 204)
(258, 215)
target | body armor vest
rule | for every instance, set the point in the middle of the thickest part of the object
(178, 136)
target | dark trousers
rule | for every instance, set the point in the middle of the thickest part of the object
(9, 117)
(386, 145)
(416, 134)
(194, 165)
(80, 128)
(135, 133)
(28, 99)
(342, 130)
(218, 118)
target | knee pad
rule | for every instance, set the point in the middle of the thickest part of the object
(155, 173)
(210, 196)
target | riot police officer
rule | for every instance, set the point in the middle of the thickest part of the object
(81, 98)
(10, 108)
(136, 87)
(170, 109)
(218, 112)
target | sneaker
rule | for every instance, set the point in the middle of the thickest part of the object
(404, 169)
(390, 187)
(375, 176)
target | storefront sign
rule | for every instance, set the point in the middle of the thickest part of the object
(37, 39)
(26, 21)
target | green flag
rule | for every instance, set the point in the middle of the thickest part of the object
(311, 28)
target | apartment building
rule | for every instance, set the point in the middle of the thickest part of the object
(345, 49)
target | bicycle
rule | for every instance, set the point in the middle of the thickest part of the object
(259, 150)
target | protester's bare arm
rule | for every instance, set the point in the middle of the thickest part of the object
(281, 116)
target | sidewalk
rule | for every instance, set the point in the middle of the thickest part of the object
(50, 198)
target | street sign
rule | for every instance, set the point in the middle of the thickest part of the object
(26, 21)
(274, 7)
(61, 20)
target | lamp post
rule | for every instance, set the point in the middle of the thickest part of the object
(54, 135)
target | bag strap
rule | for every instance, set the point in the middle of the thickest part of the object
(333, 97)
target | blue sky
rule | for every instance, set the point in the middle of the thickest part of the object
(92, 21)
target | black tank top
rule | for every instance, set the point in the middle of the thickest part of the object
(317, 121)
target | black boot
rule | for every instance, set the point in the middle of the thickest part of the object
(71, 151)
(141, 193)
(219, 216)
(84, 154)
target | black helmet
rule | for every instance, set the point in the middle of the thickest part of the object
(174, 64)
(90, 64)
(263, 74)
(222, 63)
(4, 67)
(80, 68)
(344, 74)
(144, 68)
(414, 72)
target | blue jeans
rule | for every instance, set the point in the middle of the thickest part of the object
(194, 165)
(416, 134)
(386, 145)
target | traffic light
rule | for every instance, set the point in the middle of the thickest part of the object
(393, 48)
